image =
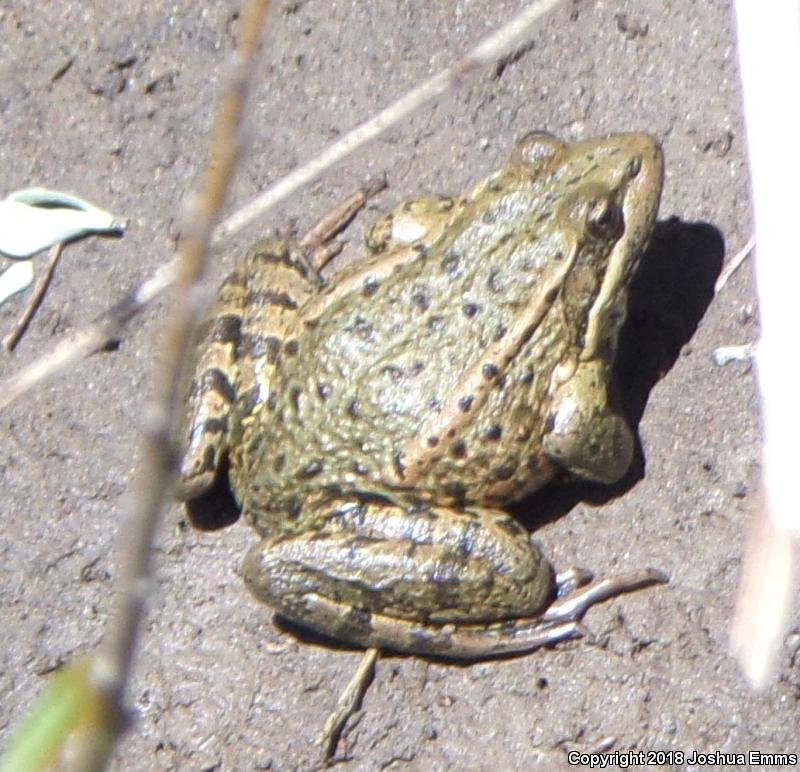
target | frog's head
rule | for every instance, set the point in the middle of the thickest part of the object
(608, 189)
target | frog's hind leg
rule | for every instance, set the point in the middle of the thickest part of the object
(213, 389)
(239, 343)
(431, 581)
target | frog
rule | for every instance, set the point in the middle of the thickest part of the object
(374, 427)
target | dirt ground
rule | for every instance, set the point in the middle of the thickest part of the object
(114, 101)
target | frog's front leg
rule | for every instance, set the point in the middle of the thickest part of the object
(431, 581)
(585, 434)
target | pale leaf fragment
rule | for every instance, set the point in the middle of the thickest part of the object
(34, 219)
(17, 277)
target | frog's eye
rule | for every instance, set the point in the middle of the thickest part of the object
(634, 167)
(605, 219)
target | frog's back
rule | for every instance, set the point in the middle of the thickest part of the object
(375, 371)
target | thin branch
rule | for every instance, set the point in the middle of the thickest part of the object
(486, 52)
(10, 341)
(734, 263)
(149, 492)
(109, 326)
(349, 702)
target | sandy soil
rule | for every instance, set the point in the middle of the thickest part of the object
(114, 101)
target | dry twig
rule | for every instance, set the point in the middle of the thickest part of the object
(349, 702)
(10, 341)
(111, 667)
(96, 335)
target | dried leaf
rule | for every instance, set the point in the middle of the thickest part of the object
(17, 277)
(36, 218)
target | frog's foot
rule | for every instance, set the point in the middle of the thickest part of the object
(560, 622)
(578, 591)
(317, 243)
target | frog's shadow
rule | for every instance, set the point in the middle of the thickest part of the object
(668, 297)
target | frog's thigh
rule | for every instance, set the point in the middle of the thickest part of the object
(247, 323)
(379, 567)
(416, 221)
(213, 388)
(587, 437)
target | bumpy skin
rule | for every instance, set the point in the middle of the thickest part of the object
(371, 428)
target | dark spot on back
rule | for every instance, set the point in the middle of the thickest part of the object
(527, 376)
(324, 390)
(262, 297)
(417, 367)
(394, 372)
(433, 441)
(361, 328)
(370, 286)
(489, 371)
(294, 397)
(361, 620)
(491, 282)
(458, 449)
(421, 301)
(550, 423)
(291, 347)
(310, 470)
(272, 400)
(456, 490)
(352, 408)
(470, 309)
(494, 432)
(279, 463)
(465, 403)
(500, 332)
(295, 508)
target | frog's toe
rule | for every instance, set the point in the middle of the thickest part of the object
(574, 605)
